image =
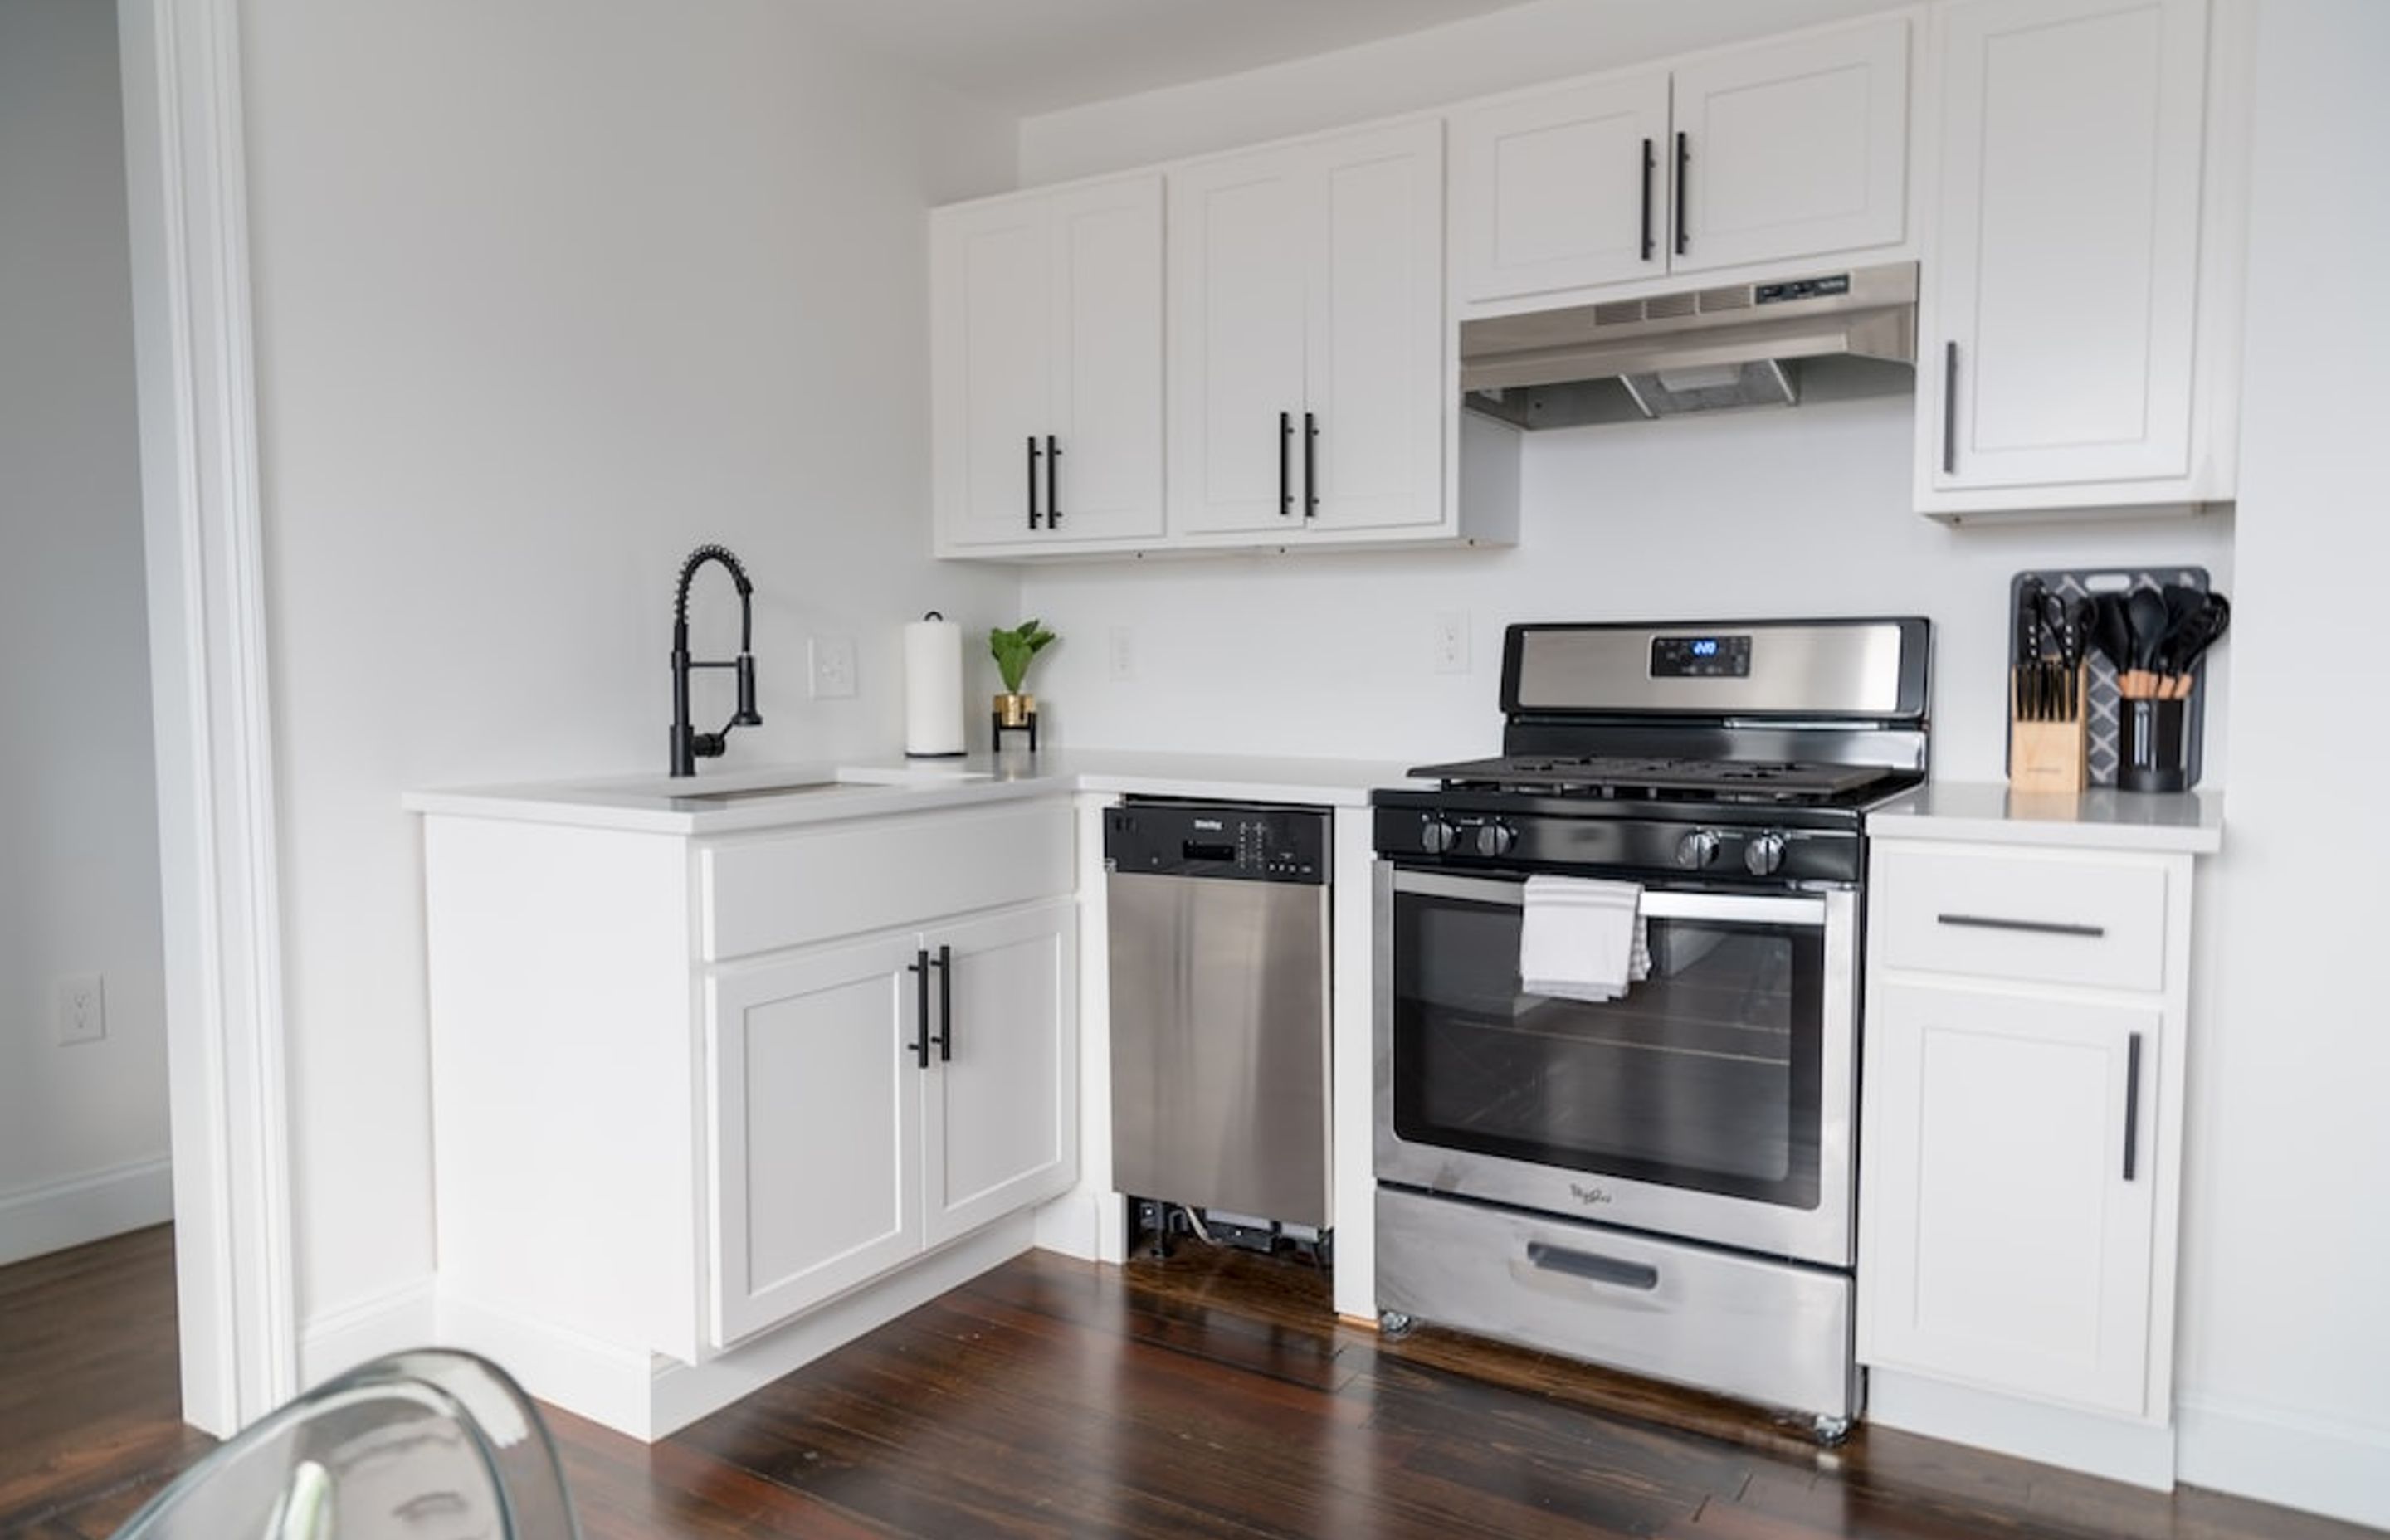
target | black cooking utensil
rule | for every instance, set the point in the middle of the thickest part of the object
(2197, 632)
(2147, 610)
(2111, 631)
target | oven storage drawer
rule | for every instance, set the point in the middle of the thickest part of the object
(1770, 1332)
(2051, 916)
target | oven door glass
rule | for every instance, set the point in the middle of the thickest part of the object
(1705, 1075)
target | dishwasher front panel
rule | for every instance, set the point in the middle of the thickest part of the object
(1219, 1029)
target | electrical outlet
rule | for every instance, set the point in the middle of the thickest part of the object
(1123, 654)
(83, 1008)
(1452, 642)
(833, 661)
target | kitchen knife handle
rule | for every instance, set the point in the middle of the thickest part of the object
(945, 965)
(1032, 480)
(1053, 497)
(2132, 1102)
(1949, 409)
(920, 968)
(1651, 165)
(1285, 475)
(1310, 465)
(1684, 163)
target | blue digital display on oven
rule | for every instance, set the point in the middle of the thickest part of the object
(1725, 657)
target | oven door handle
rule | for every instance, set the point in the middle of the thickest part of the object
(1801, 912)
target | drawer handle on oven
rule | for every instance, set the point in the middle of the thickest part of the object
(1585, 1264)
(2038, 926)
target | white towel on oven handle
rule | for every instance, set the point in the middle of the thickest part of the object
(1581, 938)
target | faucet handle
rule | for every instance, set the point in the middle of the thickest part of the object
(746, 716)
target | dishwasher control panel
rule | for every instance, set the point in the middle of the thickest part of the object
(1237, 840)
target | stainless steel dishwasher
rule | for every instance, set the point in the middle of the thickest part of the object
(1219, 1008)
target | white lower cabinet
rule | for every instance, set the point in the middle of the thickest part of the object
(2022, 1105)
(2013, 1236)
(871, 1100)
(701, 1099)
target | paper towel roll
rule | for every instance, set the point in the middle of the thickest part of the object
(934, 687)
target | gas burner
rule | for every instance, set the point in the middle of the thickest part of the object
(1658, 778)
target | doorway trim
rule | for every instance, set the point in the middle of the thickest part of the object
(202, 525)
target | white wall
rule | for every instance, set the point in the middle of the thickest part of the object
(547, 294)
(78, 819)
(2285, 1378)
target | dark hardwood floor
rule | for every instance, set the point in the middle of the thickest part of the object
(1209, 1396)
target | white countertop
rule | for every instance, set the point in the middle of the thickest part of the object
(2099, 819)
(824, 791)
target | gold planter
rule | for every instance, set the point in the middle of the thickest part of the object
(1013, 713)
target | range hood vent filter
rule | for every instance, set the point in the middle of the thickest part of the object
(1695, 349)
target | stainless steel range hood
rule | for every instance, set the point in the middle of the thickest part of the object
(1836, 332)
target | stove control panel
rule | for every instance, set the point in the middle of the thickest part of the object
(1480, 840)
(1716, 657)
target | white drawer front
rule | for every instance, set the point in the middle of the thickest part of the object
(2044, 916)
(760, 895)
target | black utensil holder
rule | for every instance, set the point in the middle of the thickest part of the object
(2150, 746)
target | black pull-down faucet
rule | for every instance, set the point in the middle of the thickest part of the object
(688, 747)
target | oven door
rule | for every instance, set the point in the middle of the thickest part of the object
(1711, 1101)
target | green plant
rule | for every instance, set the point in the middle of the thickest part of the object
(1013, 650)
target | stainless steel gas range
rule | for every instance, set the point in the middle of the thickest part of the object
(1654, 1170)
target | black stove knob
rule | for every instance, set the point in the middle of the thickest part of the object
(1494, 839)
(1697, 849)
(1765, 854)
(1437, 837)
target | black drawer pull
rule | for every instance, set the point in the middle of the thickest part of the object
(1585, 1264)
(944, 963)
(2037, 927)
(920, 1049)
(2132, 1104)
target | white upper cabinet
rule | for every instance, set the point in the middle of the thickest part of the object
(1308, 395)
(1760, 154)
(1561, 190)
(1046, 322)
(2067, 355)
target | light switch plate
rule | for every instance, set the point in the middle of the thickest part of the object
(1452, 642)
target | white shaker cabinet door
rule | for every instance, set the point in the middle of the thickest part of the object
(1561, 190)
(1000, 1108)
(2010, 1180)
(1374, 406)
(1791, 150)
(815, 1165)
(2062, 284)
(1239, 241)
(1105, 419)
(993, 332)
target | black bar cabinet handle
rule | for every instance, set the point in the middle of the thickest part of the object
(1053, 497)
(1684, 161)
(1586, 1264)
(920, 968)
(1310, 465)
(945, 965)
(1032, 480)
(1651, 165)
(1949, 409)
(2132, 1103)
(2037, 926)
(1285, 475)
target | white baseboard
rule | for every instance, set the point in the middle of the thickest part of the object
(389, 1322)
(37, 1221)
(2140, 1453)
(2335, 1468)
(648, 1397)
